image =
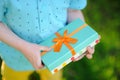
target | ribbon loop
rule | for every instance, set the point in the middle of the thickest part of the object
(65, 39)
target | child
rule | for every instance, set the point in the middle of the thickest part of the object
(25, 24)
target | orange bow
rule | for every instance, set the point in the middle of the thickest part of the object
(65, 39)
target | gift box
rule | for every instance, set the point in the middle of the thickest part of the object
(68, 43)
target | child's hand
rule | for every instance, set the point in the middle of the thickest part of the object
(32, 53)
(89, 53)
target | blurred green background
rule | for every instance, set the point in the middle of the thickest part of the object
(104, 17)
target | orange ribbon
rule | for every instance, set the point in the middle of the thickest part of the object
(65, 39)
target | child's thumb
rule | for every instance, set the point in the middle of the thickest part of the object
(44, 48)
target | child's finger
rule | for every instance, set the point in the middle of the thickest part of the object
(79, 57)
(90, 50)
(89, 56)
(39, 64)
(44, 48)
(99, 37)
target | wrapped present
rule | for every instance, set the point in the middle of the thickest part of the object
(68, 43)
